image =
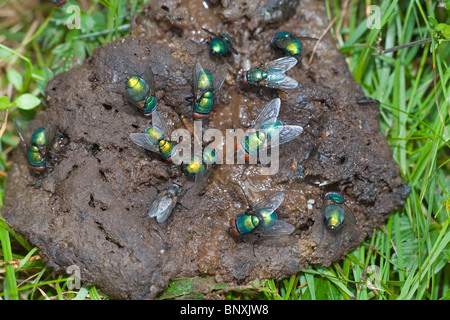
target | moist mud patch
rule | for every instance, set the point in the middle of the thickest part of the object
(89, 209)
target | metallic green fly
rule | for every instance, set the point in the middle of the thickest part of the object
(155, 138)
(267, 128)
(272, 74)
(261, 219)
(220, 45)
(165, 202)
(289, 43)
(38, 145)
(206, 89)
(140, 91)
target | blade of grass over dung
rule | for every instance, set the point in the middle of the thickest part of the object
(10, 283)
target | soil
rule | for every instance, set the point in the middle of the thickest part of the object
(89, 209)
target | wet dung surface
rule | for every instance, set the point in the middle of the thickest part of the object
(89, 209)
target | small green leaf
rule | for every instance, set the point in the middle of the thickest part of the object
(5, 103)
(433, 21)
(442, 30)
(26, 101)
(15, 78)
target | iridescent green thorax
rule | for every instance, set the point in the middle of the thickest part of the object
(272, 129)
(255, 76)
(334, 215)
(166, 148)
(246, 223)
(36, 151)
(195, 166)
(39, 138)
(205, 81)
(218, 46)
(335, 197)
(253, 142)
(283, 34)
(137, 88)
(156, 137)
(269, 218)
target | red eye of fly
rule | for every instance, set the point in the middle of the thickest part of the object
(244, 78)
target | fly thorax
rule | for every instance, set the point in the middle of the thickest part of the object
(256, 75)
(195, 166)
(334, 196)
(252, 142)
(208, 95)
(174, 190)
(133, 82)
(261, 136)
(165, 146)
(205, 81)
(246, 223)
(218, 46)
(39, 138)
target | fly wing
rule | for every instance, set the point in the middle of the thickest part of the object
(280, 228)
(219, 77)
(271, 202)
(269, 113)
(202, 177)
(162, 207)
(26, 133)
(21, 131)
(306, 38)
(349, 218)
(149, 78)
(143, 140)
(278, 80)
(281, 64)
(198, 70)
(276, 70)
(50, 133)
(139, 104)
(285, 134)
(159, 122)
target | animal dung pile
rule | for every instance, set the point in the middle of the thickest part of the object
(89, 208)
